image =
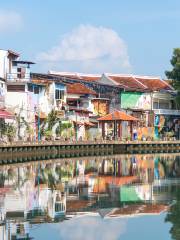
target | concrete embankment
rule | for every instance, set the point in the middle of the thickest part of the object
(18, 152)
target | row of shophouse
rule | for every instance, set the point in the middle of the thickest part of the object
(87, 106)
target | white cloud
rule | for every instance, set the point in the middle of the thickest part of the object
(88, 48)
(88, 228)
(10, 21)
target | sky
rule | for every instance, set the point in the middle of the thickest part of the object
(117, 36)
(96, 228)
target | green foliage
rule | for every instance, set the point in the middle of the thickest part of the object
(174, 74)
(174, 219)
(52, 119)
(48, 133)
(47, 125)
(63, 126)
(28, 127)
(9, 130)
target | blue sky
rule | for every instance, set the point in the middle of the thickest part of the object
(94, 227)
(92, 36)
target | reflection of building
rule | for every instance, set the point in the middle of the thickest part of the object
(137, 210)
(113, 186)
(18, 230)
(57, 205)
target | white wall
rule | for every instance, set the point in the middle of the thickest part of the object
(4, 63)
(2, 94)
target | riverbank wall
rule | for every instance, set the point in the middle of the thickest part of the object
(26, 152)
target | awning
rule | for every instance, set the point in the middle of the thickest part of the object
(41, 115)
(5, 114)
(89, 124)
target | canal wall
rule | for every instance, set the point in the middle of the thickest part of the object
(16, 153)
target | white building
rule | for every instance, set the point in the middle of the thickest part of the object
(15, 92)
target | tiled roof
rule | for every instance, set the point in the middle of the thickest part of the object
(136, 209)
(154, 84)
(13, 53)
(83, 110)
(128, 82)
(117, 115)
(90, 78)
(5, 114)
(78, 88)
(142, 83)
(77, 205)
(78, 76)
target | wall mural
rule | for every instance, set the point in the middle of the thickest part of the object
(101, 107)
(159, 122)
(145, 132)
(136, 100)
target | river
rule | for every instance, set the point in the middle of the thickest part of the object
(104, 198)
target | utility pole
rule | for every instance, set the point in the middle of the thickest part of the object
(38, 111)
(76, 127)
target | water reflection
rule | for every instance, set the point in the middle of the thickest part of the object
(109, 187)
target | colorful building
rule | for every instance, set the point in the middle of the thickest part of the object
(150, 99)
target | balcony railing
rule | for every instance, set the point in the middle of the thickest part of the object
(18, 77)
(167, 112)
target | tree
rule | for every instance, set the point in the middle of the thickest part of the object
(9, 130)
(173, 217)
(49, 123)
(174, 74)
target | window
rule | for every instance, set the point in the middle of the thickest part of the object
(58, 207)
(59, 94)
(155, 105)
(35, 89)
(16, 88)
(164, 105)
(21, 72)
(161, 105)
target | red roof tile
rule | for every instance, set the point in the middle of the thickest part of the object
(154, 84)
(133, 82)
(128, 82)
(117, 115)
(83, 110)
(78, 88)
(140, 209)
(78, 76)
(89, 78)
(5, 114)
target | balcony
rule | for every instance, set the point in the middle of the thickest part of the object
(18, 77)
(167, 112)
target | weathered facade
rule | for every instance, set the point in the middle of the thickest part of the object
(150, 99)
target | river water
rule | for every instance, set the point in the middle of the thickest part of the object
(108, 197)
